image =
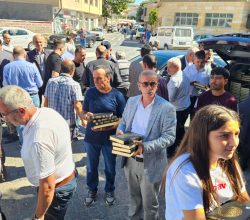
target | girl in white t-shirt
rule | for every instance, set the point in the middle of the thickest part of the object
(205, 172)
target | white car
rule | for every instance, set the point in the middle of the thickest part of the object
(99, 33)
(19, 36)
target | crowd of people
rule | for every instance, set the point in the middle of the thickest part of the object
(47, 96)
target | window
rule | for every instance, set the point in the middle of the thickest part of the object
(165, 32)
(21, 32)
(91, 2)
(86, 1)
(182, 32)
(96, 3)
(189, 19)
(218, 20)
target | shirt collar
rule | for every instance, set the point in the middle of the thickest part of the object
(148, 106)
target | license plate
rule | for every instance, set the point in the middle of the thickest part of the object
(182, 43)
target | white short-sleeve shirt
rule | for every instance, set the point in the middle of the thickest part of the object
(184, 190)
(46, 148)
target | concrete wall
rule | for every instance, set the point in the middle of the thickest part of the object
(35, 26)
(240, 9)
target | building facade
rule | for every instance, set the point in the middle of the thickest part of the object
(50, 16)
(206, 17)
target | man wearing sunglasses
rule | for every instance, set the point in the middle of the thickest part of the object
(153, 117)
(46, 151)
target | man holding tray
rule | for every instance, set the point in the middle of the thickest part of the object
(101, 99)
(154, 118)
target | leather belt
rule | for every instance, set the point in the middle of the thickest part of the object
(138, 159)
(66, 180)
(31, 94)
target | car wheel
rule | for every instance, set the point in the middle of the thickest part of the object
(31, 46)
(91, 43)
(165, 47)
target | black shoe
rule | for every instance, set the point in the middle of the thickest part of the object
(90, 199)
(110, 198)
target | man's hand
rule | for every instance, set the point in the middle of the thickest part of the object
(140, 148)
(88, 116)
(119, 132)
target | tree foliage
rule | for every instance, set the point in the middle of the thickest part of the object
(153, 17)
(110, 7)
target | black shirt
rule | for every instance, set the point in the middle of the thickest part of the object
(78, 76)
(53, 63)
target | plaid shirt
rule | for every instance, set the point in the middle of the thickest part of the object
(62, 92)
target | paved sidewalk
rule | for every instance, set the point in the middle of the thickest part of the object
(19, 197)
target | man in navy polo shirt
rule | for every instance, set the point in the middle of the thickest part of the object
(101, 99)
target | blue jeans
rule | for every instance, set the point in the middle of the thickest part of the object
(60, 202)
(93, 155)
(19, 129)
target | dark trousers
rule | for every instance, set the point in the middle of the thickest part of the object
(61, 199)
(192, 109)
(181, 117)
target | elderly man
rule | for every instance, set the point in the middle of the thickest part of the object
(39, 56)
(101, 99)
(188, 59)
(154, 118)
(46, 151)
(6, 42)
(64, 95)
(178, 94)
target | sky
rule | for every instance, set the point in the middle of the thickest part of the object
(138, 1)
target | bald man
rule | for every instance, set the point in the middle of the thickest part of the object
(101, 52)
(64, 95)
(25, 75)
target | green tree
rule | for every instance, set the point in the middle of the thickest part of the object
(110, 7)
(153, 17)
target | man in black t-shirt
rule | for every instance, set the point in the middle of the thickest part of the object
(80, 55)
(53, 62)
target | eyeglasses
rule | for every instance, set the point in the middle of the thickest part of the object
(151, 84)
(3, 115)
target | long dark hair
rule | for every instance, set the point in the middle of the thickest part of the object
(195, 142)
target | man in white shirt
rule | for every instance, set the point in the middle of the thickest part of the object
(197, 73)
(46, 151)
(178, 94)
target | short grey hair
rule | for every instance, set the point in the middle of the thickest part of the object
(103, 67)
(15, 97)
(175, 61)
(192, 50)
(38, 36)
(120, 55)
(148, 73)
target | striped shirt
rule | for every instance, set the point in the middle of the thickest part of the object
(62, 92)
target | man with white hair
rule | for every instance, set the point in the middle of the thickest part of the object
(123, 65)
(178, 94)
(46, 152)
(188, 59)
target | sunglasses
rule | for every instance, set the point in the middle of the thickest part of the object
(151, 84)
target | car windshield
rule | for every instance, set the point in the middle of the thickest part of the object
(196, 37)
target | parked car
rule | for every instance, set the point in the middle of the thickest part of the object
(19, 36)
(173, 37)
(112, 28)
(163, 56)
(235, 51)
(98, 33)
(90, 39)
(140, 31)
(199, 37)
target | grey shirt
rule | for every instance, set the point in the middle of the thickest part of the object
(178, 91)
